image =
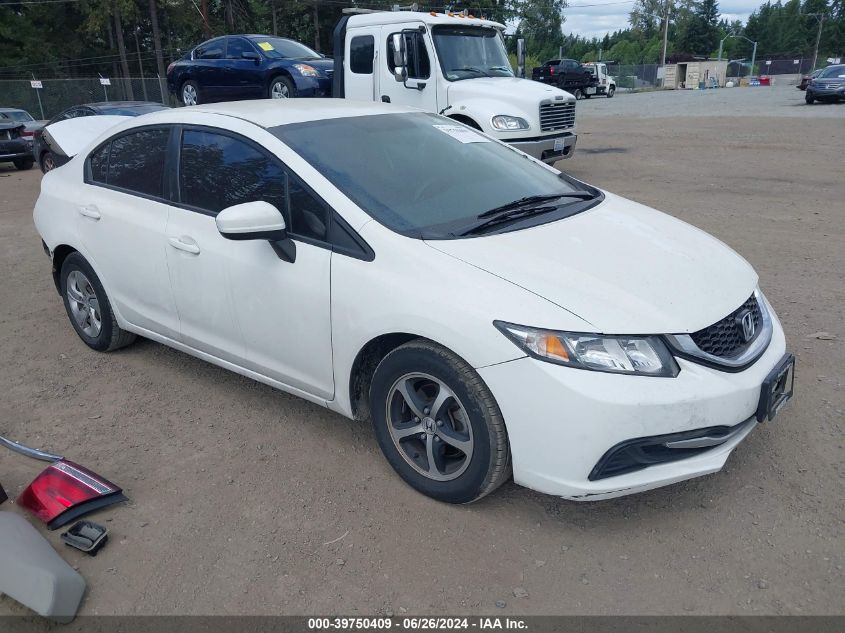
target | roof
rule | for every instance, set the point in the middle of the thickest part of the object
(393, 17)
(13, 110)
(269, 113)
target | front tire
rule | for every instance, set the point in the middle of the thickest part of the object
(808, 99)
(281, 88)
(23, 163)
(88, 306)
(610, 92)
(437, 423)
(578, 94)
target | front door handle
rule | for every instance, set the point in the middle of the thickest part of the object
(185, 244)
(89, 211)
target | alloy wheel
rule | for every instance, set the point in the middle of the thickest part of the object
(279, 90)
(84, 305)
(429, 426)
(189, 95)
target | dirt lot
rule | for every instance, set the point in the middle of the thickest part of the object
(246, 500)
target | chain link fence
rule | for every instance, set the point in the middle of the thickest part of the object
(633, 77)
(56, 95)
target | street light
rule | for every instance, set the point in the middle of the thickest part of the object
(753, 53)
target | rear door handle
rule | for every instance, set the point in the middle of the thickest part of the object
(89, 211)
(185, 244)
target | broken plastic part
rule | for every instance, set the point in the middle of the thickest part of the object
(32, 573)
(65, 491)
(86, 536)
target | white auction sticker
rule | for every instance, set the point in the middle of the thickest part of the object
(463, 134)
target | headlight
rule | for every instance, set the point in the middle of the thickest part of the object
(505, 122)
(307, 71)
(640, 355)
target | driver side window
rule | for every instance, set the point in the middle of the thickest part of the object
(419, 66)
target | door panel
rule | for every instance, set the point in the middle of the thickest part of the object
(126, 235)
(409, 92)
(361, 82)
(197, 258)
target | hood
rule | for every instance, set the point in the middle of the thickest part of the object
(621, 266)
(8, 124)
(524, 93)
(324, 64)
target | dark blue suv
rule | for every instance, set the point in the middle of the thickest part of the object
(249, 67)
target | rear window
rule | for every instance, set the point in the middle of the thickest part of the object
(361, 52)
(136, 162)
(136, 110)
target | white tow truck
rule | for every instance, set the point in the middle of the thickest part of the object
(604, 83)
(455, 65)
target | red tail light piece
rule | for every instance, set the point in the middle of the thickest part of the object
(26, 133)
(65, 491)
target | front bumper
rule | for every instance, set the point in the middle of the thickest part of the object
(543, 147)
(562, 421)
(826, 93)
(313, 86)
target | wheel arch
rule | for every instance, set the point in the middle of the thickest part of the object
(60, 254)
(278, 72)
(466, 120)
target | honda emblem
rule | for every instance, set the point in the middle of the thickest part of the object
(745, 321)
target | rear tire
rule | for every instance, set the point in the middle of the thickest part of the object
(48, 162)
(23, 163)
(437, 423)
(189, 93)
(578, 94)
(88, 308)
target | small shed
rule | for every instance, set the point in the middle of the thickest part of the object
(705, 73)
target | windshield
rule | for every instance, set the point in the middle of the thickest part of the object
(468, 52)
(424, 175)
(280, 48)
(16, 115)
(833, 71)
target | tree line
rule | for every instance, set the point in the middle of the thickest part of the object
(84, 38)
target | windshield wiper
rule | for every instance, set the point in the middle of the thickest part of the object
(473, 69)
(522, 208)
(529, 200)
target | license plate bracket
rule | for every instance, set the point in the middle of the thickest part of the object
(777, 389)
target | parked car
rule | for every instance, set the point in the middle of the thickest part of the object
(806, 79)
(829, 85)
(30, 123)
(567, 74)
(484, 310)
(50, 154)
(249, 67)
(15, 148)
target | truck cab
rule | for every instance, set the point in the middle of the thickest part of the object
(604, 83)
(456, 66)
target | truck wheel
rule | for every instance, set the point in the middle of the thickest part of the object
(808, 98)
(610, 92)
(587, 96)
(48, 162)
(23, 163)
(578, 94)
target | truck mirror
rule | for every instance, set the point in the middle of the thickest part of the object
(520, 58)
(400, 57)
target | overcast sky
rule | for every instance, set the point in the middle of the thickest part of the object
(598, 20)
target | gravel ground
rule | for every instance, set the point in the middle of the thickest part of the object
(247, 500)
(781, 100)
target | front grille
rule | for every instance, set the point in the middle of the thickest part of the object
(557, 116)
(724, 338)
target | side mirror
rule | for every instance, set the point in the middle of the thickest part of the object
(520, 58)
(400, 57)
(251, 221)
(251, 55)
(257, 220)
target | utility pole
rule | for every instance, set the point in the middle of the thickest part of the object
(820, 17)
(665, 41)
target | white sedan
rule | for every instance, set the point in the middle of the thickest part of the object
(488, 314)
